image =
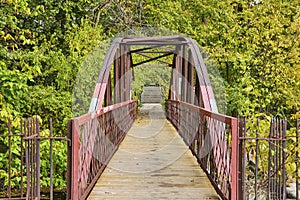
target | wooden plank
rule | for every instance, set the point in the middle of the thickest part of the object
(153, 162)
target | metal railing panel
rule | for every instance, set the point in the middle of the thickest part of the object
(95, 138)
(213, 139)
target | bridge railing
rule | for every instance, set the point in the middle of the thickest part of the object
(95, 138)
(213, 139)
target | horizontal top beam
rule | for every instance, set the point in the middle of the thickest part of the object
(158, 38)
(144, 43)
(161, 40)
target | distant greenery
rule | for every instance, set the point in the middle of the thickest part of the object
(146, 75)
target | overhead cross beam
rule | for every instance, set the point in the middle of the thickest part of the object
(161, 61)
(194, 88)
(152, 58)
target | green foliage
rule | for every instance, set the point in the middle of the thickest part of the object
(46, 45)
(16, 162)
(257, 57)
(43, 46)
(87, 77)
(59, 163)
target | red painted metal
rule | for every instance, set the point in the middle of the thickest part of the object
(108, 93)
(234, 159)
(116, 78)
(97, 90)
(75, 160)
(120, 54)
(213, 139)
(187, 58)
(190, 78)
(95, 138)
(185, 85)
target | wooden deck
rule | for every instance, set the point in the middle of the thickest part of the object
(153, 162)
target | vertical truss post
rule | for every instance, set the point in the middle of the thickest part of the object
(190, 78)
(179, 58)
(117, 98)
(108, 93)
(127, 75)
(122, 73)
(184, 73)
(197, 98)
(172, 94)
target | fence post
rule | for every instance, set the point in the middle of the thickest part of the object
(234, 160)
(284, 159)
(241, 163)
(38, 166)
(69, 167)
(297, 159)
(75, 160)
(9, 159)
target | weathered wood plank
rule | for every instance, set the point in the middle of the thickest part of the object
(153, 162)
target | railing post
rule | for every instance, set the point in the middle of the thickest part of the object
(75, 160)
(297, 159)
(9, 159)
(38, 165)
(241, 163)
(234, 160)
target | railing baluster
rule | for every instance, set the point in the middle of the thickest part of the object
(22, 156)
(297, 159)
(256, 158)
(9, 158)
(27, 155)
(284, 159)
(244, 159)
(38, 165)
(51, 160)
(269, 159)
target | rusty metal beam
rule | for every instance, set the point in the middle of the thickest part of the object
(152, 59)
(179, 50)
(117, 78)
(184, 72)
(204, 88)
(157, 38)
(161, 61)
(144, 49)
(190, 78)
(155, 43)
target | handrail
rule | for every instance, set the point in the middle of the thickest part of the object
(223, 118)
(92, 115)
(95, 138)
(213, 139)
